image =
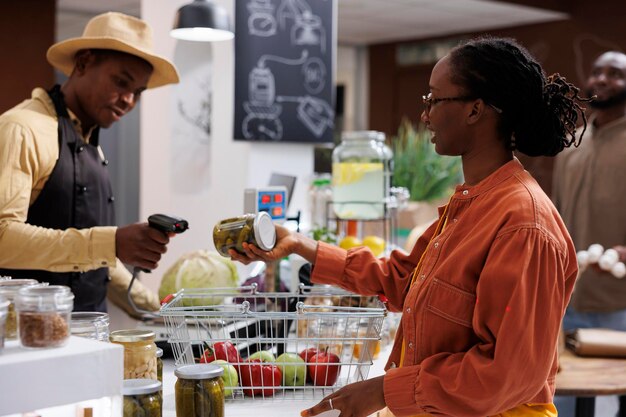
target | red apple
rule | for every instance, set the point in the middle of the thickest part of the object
(307, 354)
(222, 350)
(324, 368)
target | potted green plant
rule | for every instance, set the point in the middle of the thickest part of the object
(429, 177)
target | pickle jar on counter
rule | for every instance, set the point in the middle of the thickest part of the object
(8, 289)
(139, 352)
(43, 315)
(199, 391)
(142, 398)
(256, 229)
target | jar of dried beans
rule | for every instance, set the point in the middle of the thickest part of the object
(139, 352)
(43, 315)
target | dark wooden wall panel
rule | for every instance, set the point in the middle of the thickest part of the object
(28, 30)
(568, 47)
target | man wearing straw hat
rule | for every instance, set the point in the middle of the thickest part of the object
(56, 203)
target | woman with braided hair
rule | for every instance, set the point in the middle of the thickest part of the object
(485, 287)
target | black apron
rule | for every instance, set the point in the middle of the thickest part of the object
(77, 195)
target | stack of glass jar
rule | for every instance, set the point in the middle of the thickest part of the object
(362, 167)
(140, 359)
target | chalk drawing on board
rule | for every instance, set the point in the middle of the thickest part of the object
(262, 119)
(261, 21)
(315, 113)
(291, 9)
(314, 73)
(308, 30)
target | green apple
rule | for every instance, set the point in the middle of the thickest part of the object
(263, 356)
(229, 376)
(293, 368)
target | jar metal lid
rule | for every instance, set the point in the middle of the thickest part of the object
(131, 335)
(40, 295)
(159, 352)
(10, 286)
(363, 135)
(140, 386)
(264, 231)
(199, 371)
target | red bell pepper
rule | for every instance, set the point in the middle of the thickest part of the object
(260, 378)
(222, 350)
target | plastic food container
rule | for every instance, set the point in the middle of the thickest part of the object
(199, 391)
(8, 289)
(139, 353)
(4, 310)
(257, 229)
(142, 398)
(43, 315)
(90, 325)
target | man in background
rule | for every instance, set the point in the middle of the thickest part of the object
(589, 190)
(56, 202)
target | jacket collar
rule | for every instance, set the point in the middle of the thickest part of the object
(506, 171)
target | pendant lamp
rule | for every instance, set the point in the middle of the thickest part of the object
(202, 21)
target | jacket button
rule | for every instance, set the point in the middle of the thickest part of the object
(422, 277)
(410, 345)
(111, 199)
(105, 162)
(408, 310)
(465, 192)
(393, 365)
(80, 148)
(436, 244)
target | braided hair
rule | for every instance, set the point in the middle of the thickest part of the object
(539, 114)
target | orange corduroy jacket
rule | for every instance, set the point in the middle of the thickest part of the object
(481, 321)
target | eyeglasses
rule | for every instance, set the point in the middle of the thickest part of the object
(430, 101)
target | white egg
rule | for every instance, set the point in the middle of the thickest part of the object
(612, 254)
(619, 270)
(583, 258)
(595, 252)
(606, 262)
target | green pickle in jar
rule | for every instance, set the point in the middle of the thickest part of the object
(256, 229)
(142, 398)
(199, 391)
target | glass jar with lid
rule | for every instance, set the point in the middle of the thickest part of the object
(43, 315)
(8, 289)
(159, 357)
(360, 176)
(199, 391)
(142, 398)
(90, 325)
(139, 352)
(4, 310)
(257, 229)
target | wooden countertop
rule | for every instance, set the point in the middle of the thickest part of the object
(589, 377)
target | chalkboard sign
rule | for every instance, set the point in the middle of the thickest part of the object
(284, 70)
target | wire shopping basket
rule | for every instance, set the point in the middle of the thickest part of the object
(320, 338)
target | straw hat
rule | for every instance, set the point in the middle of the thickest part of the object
(118, 32)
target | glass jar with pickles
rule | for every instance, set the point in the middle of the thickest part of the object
(199, 391)
(142, 398)
(257, 229)
(8, 289)
(139, 353)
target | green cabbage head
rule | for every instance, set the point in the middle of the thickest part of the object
(199, 269)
